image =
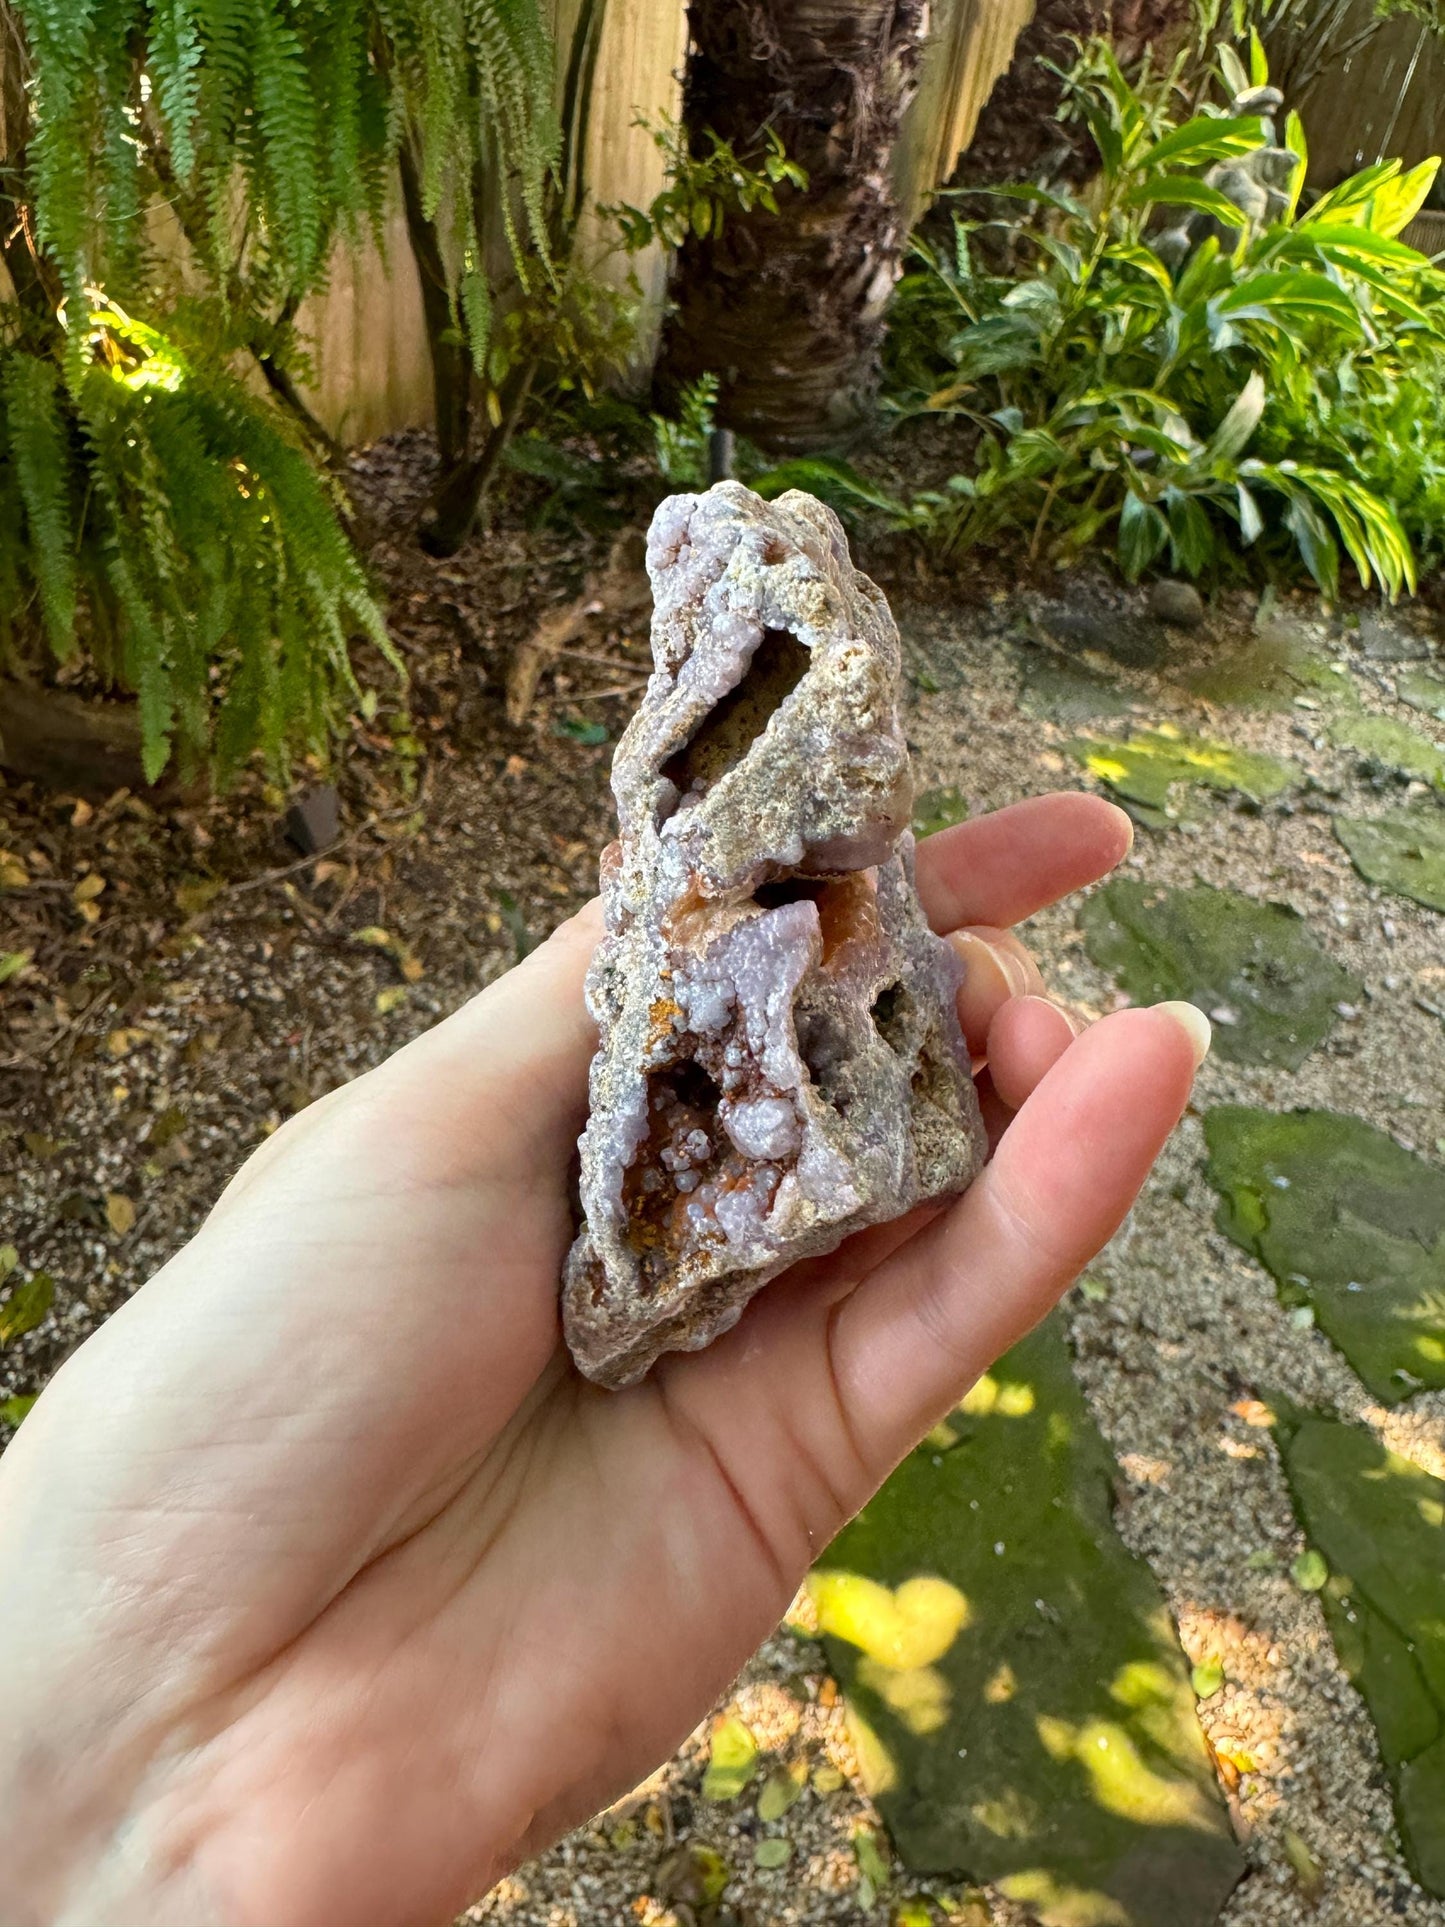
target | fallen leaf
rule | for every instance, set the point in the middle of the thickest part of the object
(27, 1305)
(39, 1145)
(913, 1912)
(968, 1910)
(412, 968)
(378, 938)
(827, 1778)
(89, 888)
(197, 894)
(691, 1876)
(1310, 1571)
(168, 1124)
(872, 1866)
(1306, 1869)
(120, 1043)
(81, 814)
(12, 962)
(770, 1854)
(732, 1759)
(388, 999)
(120, 1213)
(1226, 1769)
(781, 1789)
(1207, 1678)
(590, 735)
(1253, 1411)
(13, 873)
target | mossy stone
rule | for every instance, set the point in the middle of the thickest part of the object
(1379, 1522)
(1022, 1710)
(1382, 743)
(1278, 665)
(1058, 689)
(1145, 769)
(1348, 1222)
(1255, 969)
(1422, 689)
(1403, 851)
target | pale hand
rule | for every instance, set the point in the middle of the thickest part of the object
(329, 1591)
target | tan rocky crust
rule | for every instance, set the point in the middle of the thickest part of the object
(780, 1059)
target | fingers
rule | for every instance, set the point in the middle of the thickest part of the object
(1002, 868)
(920, 1329)
(1026, 1039)
(996, 967)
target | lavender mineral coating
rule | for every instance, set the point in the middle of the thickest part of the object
(780, 1060)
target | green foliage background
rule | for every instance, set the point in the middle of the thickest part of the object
(162, 523)
(1265, 388)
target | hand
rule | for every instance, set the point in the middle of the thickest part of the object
(330, 1589)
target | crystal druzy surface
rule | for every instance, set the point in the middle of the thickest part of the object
(780, 1060)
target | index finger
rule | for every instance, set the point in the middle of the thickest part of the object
(1001, 868)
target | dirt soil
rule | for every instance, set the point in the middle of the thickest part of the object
(212, 981)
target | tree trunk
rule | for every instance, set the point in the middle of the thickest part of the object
(1020, 136)
(787, 309)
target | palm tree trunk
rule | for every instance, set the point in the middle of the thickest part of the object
(1020, 135)
(787, 309)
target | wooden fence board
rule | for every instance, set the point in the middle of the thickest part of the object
(970, 44)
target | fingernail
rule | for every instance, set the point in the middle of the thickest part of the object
(972, 950)
(1126, 823)
(1195, 1025)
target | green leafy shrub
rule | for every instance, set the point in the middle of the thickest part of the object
(1185, 363)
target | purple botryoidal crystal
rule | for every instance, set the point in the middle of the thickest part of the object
(780, 1060)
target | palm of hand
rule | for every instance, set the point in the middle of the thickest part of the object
(387, 1595)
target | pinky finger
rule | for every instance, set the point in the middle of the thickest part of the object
(921, 1328)
(1026, 1039)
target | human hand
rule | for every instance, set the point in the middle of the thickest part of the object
(330, 1589)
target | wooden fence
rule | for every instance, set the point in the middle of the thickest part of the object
(368, 342)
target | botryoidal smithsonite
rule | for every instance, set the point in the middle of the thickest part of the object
(780, 1060)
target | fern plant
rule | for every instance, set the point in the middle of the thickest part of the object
(161, 519)
(155, 515)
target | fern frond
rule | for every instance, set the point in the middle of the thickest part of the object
(39, 458)
(174, 60)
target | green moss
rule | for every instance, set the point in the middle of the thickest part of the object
(1422, 689)
(1403, 851)
(1379, 1522)
(1348, 1222)
(1052, 685)
(1145, 769)
(1022, 1709)
(1255, 968)
(1270, 672)
(1382, 742)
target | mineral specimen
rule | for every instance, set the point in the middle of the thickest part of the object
(780, 1060)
